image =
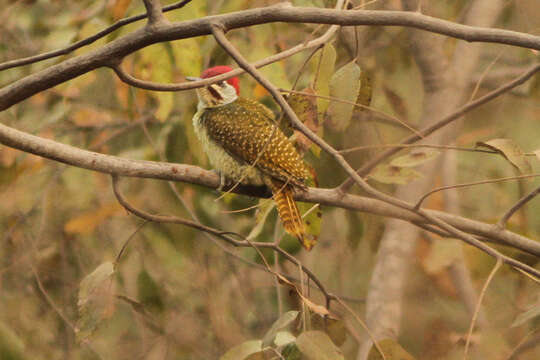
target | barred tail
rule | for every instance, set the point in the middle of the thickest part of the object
(288, 211)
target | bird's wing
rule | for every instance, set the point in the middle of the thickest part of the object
(245, 130)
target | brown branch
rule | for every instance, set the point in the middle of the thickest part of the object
(109, 164)
(153, 11)
(364, 170)
(223, 235)
(482, 182)
(504, 219)
(150, 85)
(89, 40)
(219, 35)
(115, 50)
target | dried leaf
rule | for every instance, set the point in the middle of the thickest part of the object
(510, 151)
(95, 300)
(284, 321)
(316, 345)
(415, 157)
(388, 174)
(344, 85)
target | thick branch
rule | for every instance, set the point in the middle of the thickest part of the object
(195, 175)
(111, 53)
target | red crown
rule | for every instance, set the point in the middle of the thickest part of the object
(221, 69)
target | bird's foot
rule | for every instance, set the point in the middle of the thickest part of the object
(223, 181)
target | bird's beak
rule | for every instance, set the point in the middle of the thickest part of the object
(193, 78)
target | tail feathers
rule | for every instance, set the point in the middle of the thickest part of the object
(288, 211)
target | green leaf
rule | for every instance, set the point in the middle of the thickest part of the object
(243, 351)
(95, 300)
(284, 321)
(344, 85)
(316, 345)
(527, 315)
(391, 349)
(389, 174)
(510, 151)
(324, 64)
(415, 157)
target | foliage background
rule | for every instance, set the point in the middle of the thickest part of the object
(59, 223)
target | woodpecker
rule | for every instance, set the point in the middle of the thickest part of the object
(243, 143)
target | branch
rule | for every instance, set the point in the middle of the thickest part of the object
(89, 40)
(110, 54)
(109, 164)
(153, 11)
(364, 170)
(504, 219)
(220, 234)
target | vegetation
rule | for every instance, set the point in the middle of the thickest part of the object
(430, 249)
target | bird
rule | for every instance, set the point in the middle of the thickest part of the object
(244, 144)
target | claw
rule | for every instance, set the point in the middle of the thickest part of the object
(222, 181)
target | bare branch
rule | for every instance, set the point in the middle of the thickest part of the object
(109, 164)
(482, 182)
(504, 219)
(89, 40)
(153, 11)
(364, 170)
(111, 54)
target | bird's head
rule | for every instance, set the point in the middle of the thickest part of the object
(218, 94)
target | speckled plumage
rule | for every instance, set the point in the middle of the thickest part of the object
(243, 129)
(244, 144)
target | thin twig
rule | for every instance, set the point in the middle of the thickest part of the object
(364, 170)
(332, 98)
(219, 35)
(504, 219)
(364, 326)
(153, 11)
(482, 182)
(477, 310)
(48, 55)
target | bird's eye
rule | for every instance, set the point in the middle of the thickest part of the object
(221, 83)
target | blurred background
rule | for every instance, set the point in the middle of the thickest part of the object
(59, 223)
